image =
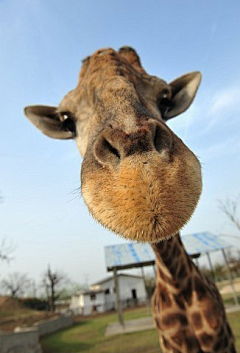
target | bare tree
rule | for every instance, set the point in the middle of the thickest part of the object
(52, 283)
(230, 209)
(16, 284)
(6, 249)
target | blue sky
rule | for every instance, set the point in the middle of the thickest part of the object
(42, 44)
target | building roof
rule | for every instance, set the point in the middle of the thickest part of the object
(109, 278)
(88, 292)
(131, 255)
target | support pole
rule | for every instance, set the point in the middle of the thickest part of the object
(197, 263)
(145, 286)
(235, 297)
(211, 266)
(117, 296)
(154, 270)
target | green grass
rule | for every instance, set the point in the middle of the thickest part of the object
(234, 321)
(136, 313)
(88, 336)
(228, 299)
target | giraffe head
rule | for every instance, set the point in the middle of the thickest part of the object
(138, 178)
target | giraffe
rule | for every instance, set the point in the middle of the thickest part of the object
(141, 181)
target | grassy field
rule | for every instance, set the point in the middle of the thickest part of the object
(88, 336)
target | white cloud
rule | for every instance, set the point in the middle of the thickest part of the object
(226, 99)
(223, 148)
(224, 103)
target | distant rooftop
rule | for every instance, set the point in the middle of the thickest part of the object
(93, 290)
(88, 292)
(131, 255)
(109, 278)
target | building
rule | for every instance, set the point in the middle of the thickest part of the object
(88, 302)
(101, 295)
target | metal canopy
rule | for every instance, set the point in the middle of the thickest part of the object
(203, 243)
(131, 255)
(128, 256)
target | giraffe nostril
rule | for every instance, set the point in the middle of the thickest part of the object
(110, 149)
(106, 153)
(162, 139)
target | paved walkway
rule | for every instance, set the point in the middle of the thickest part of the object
(145, 323)
(232, 309)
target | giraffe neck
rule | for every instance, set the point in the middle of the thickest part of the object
(186, 306)
(174, 266)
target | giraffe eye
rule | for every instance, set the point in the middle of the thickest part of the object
(65, 116)
(68, 122)
(164, 105)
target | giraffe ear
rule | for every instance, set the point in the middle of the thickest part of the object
(51, 122)
(183, 90)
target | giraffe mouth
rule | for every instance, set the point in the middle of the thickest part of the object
(148, 198)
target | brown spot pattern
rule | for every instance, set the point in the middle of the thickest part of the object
(200, 288)
(191, 343)
(206, 339)
(187, 292)
(173, 319)
(197, 320)
(179, 302)
(165, 299)
(213, 318)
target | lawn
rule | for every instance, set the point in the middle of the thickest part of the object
(88, 336)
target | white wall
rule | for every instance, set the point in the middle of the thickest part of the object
(97, 304)
(82, 304)
(77, 300)
(109, 298)
(127, 284)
